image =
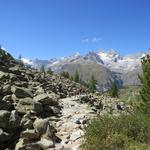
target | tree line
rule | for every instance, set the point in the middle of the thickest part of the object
(91, 83)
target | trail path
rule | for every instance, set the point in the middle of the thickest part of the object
(70, 126)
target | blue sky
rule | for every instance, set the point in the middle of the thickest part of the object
(55, 28)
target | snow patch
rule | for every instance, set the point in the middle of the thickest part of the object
(26, 61)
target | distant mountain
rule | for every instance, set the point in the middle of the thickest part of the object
(106, 66)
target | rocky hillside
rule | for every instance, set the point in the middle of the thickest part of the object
(28, 98)
(40, 111)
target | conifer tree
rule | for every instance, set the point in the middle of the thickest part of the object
(20, 57)
(92, 84)
(145, 87)
(49, 71)
(65, 74)
(71, 78)
(76, 77)
(42, 69)
(114, 90)
(20, 60)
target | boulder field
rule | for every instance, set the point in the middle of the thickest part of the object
(39, 111)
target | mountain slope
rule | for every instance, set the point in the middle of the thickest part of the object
(87, 68)
(106, 66)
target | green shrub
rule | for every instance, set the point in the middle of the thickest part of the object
(123, 132)
(77, 77)
(145, 87)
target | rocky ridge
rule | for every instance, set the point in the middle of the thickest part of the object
(40, 111)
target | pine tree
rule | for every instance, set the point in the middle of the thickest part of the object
(49, 71)
(76, 77)
(92, 84)
(145, 87)
(65, 74)
(113, 92)
(20, 60)
(20, 57)
(42, 69)
(71, 78)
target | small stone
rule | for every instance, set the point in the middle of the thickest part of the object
(55, 110)
(4, 105)
(4, 136)
(46, 143)
(20, 144)
(29, 134)
(76, 135)
(39, 91)
(26, 122)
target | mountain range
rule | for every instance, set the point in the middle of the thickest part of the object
(107, 67)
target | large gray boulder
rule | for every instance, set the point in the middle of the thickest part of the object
(24, 145)
(40, 125)
(4, 119)
(30, 134)
(28, 104)
(46, 143)
(43, 98)
(47, 99)
(27, 121)
(15, 70)
(21, 92)
(12, 77)
(14, 120)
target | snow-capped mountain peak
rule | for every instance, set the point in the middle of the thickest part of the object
(26, 61)
(110, 56)
(109, 59)
(74, 56)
